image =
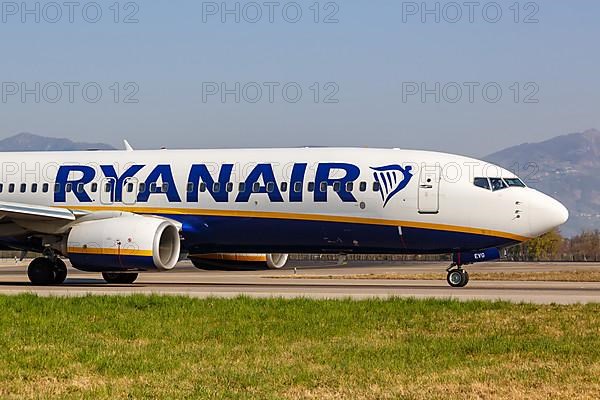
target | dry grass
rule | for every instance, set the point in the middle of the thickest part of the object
(171, 347)
(548, 276)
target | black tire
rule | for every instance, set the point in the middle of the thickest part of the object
(41, 272)
(60, 271)
(457, 278)
(120, 278)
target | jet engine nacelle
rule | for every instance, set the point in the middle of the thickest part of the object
(128, 242)
(472, 257)
(239, 260)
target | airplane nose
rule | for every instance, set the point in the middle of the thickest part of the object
(561, 212)
(546, 214)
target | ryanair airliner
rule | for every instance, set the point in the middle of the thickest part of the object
(124, 212)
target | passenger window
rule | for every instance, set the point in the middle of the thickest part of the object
(34, 188)
(482, 183)
(297, 187)
(56, 187)
(94, 187)
(337, 186)
(349, 186)
(1, 187)
(311, 186)
(216, 187)
(11, 188)
(190, 187)
(376, 186)
(242, 187)
(45, 188)
(256, 187)
(363, 186)
(80, 188)
(130, 188)
(270, 187)
(229, 187)
(497, 184)
(23, 187)
(165, 187)
(141, 187)
(152, 188)
(202, 186)
(108, 187)
(284, 186)
(323, 186)
(514, 182)
(69, 187)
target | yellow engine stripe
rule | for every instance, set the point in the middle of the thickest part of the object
(305, 217)
(109, 251)
(231, 257)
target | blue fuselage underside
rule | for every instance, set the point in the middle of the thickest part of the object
(208, 234)
(212, 234)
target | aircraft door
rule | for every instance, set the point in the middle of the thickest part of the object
(429, 189)
(106, 189)
(130, 191)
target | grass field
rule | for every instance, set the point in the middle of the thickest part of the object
(547, 276)
(170, 347)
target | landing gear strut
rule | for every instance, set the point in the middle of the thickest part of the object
(44, 271)
(457, 277)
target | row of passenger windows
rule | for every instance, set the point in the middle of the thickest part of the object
(23, 188)
(191, 187)
(495, 184)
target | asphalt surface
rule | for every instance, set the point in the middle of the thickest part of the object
(189, 281)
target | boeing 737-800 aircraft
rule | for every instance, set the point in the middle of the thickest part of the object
(122, 212)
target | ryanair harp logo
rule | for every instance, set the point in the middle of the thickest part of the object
(392, 179)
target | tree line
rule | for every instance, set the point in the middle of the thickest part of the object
(552, 246)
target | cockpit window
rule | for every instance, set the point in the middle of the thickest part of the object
(497, 184)
(482, 183)
(514, 182)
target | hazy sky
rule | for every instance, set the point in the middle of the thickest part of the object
(362, 68)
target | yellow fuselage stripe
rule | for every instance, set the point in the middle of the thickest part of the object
(305, 217)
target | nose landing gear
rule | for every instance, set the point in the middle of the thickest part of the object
(457, 277)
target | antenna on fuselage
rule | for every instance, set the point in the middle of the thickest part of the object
(127, 145)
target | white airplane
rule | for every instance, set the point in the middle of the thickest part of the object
(123, 212)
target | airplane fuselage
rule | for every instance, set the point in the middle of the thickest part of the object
(333, 200)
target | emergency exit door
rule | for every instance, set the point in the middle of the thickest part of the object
(429, 190)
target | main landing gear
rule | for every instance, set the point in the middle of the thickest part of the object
(44, 271)
(457, 277)
(119, 277)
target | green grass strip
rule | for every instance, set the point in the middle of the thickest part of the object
(176, 347)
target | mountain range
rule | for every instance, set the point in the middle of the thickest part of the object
(566, 167)
(31, 142)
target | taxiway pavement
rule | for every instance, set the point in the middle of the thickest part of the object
(188, 281)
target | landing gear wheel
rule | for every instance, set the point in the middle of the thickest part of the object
(466, 277)
(60, 271)
(457, 278)
(41, 272)
(124, 278)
